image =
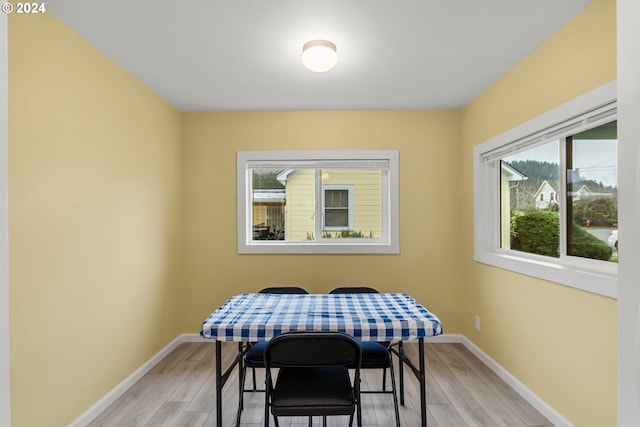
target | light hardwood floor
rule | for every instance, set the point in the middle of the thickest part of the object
(461, 391)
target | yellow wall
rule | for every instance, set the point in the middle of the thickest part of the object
(111, 189)
(559, 341)
(94, 208)
(427, 267)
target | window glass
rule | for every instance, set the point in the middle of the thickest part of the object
(592, 193)
(300, 211)
(336, 209)
(532, 209)
(352, 203)
(529, 213)
(271, 212)
(288, 204)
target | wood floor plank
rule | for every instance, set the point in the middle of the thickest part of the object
(192, 419)
(445, 416)
(483, 389)
(435, 394)
(461, 391)
(503, 392)
(158, 394)
(462, 399)
(123, 406)
(167, 415)
(187, 390)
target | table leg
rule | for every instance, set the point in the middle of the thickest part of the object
(423, 383)
(401, 365)
(222, 377)
(419, 372)
(241, 351)
(219, 383)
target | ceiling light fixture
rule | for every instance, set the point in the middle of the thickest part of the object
(319, 55)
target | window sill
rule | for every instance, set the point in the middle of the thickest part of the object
(599, 281)
(347, 247)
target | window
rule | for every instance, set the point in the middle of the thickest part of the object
(338, 207)
(546, 195)
(317, 201)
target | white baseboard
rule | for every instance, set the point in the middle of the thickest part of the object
(543, 407)
(102, 404)
(534, 400)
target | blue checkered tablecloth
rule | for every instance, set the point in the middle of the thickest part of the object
(368, 317)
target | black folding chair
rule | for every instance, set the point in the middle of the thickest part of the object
(375, 355)
(254, 355)
(313, 376)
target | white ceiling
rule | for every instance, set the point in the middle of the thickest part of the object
(213, 55)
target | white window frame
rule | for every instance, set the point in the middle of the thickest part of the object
(389, 243)
(349, 189)
(587, 111)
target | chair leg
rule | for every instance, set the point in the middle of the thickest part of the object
(358, 402)
(266, 406)
(384, 379)
(395, 394)
(254, 379)
(242, 381)
(240, 399)
(324, 421)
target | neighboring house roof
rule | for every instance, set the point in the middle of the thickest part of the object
(547, 187)
(551, 185)
(284, 176)
(582, 191)
(510, 173)
(269, 196)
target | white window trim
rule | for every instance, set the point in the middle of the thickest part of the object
(589, 275)
(388, 244)
(349, 189)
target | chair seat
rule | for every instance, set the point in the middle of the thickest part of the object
(254, 357)
(331, 388)
(375, 355)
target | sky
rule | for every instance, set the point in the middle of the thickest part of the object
(597, 159)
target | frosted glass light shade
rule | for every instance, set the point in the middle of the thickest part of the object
(319, 55)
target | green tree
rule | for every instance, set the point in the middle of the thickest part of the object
(601, 212)
(538, 232)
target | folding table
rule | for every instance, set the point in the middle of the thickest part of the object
(384, 317)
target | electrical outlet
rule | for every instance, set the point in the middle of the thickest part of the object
(478, 322)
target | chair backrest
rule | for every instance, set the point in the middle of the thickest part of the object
(283, 290)
(353, 290)
(297, 349)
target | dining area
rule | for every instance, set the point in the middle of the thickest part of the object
(185, 389)
(378, 324)
(123, 217)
